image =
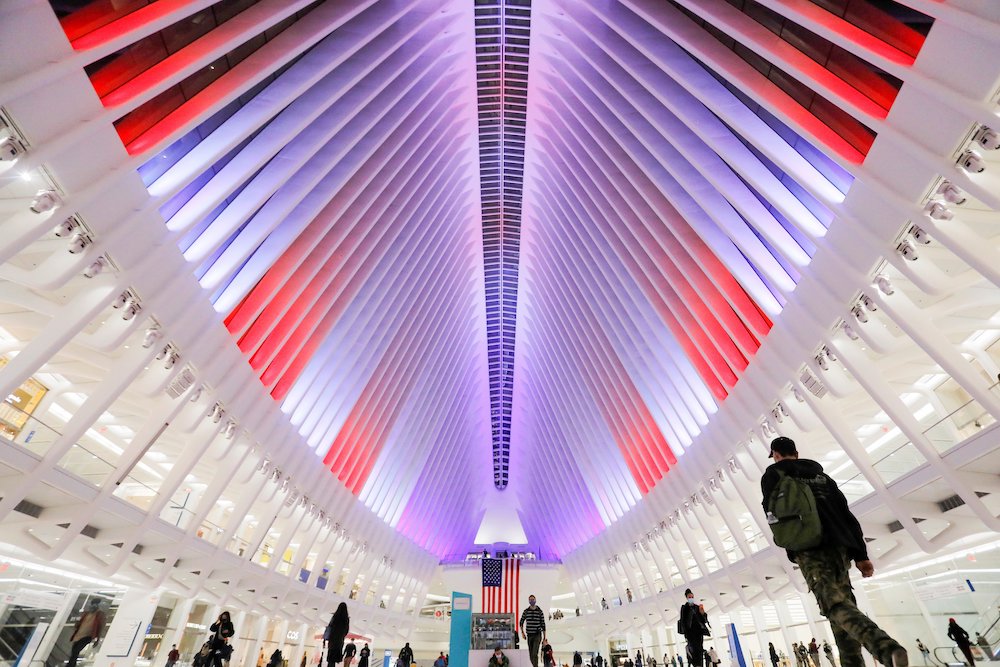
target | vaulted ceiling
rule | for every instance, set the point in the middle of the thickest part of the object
(494, 253)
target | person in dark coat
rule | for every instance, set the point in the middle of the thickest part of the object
(406, 654)
(350, 650)
(957, 634)
(276, 659)
(773, 652)
(222, 630)
(336, 633)
(364, 655)
(87, 629)
(693, 624)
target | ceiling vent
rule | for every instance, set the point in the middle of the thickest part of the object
(950, 503)
(815, 387)
(181, 383)
(88, 530)
(31, 509)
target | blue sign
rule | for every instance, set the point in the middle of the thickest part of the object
(387, 658)
(461, 630)
(734, 646)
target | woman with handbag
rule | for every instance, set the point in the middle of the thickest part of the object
(693, 624)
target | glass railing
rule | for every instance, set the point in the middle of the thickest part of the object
(944, 434)
(24, 430)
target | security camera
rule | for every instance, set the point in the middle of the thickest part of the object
(987, 137)
(938, 211)
(46, 200)
(150, 337)
(859, 313)
(79, 243)
(920, 235)
(131, 310)
(95, 268)
(951, 193)
(972, 162)
(10, 149)
(884, 284)
(66, 227)
(121, 300)
(907, 250)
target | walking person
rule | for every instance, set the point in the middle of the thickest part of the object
(773, 654)
(350, 650)
(628, 594)
(924, 651)
(693, 624)
(957, 634)
(825, 559)
(364, 655)
(638, 658)
(532, 626)
(803, 655)
(548, 658)
(335, 634)
(173, 656)
(406, 655)
(797, 654)
(222, 630)
(680, 660)
(87, 629)
(814, 652)
(276, 659)
(713, 656)
(828, 651)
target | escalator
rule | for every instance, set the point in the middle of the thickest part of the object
(17, 626)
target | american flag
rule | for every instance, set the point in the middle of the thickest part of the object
(501, 585)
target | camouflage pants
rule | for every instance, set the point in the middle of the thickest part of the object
(826, 572)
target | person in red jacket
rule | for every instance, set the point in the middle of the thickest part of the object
(173, 656)
(87, 629)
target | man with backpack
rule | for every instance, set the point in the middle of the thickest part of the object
(809, 517)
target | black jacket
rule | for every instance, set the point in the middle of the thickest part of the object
(336, 633)
(693, 621)
(221, 630)
(957, 634)
(840, 527)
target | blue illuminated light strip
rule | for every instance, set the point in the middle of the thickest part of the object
(502, 35)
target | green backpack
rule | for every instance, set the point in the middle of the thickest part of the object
(793, 516)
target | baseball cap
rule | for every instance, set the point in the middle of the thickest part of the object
(784, 446)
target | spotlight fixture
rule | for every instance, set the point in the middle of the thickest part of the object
(151, 336)
(859, 313)
(162, 354)
(935, 210)
(79, 243)
(195, 395)
(10, 149)
(795, 390)
(951, 193)
(121, 300)
(920, 235)
(216, 413)
(970, 160)
(94, 268)
(230, 429)
(131, 310)
(66, 227)
(987, 138)
(868, 303)
(821, 360)
(908, 251)
(44, 201)
(171, 360)
(851, 333)
(884, 285)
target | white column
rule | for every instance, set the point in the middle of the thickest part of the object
(123, 638)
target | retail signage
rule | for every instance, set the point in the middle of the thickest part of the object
(19, 405)
(50, 600)
(292, 635)
(934, 590)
